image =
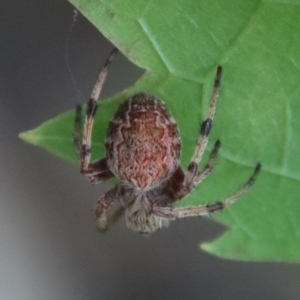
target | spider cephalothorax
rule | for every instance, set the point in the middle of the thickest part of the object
(142, 151)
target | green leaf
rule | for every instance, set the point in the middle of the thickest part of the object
(180, 43)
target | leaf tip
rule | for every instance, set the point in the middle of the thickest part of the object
(207, 247)
(216, 249)
(28, 137)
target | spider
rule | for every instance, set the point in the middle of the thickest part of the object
(142, 151)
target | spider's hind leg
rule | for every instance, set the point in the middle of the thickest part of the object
(182, 212)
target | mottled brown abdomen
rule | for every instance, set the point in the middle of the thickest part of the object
(142, 142)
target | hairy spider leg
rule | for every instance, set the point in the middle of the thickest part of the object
(192, 177)
(103, 204)
(90, 113)
(98, 170)
(182, 212)
(116, 215)
(209, 166)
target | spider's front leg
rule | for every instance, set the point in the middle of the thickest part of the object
(97, 171)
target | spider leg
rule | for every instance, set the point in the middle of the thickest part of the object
(97, 171)
(209, 166)
(84, 146)
(193, 177)
(103, 204)
(116, 215)
(182, 212)
(175, 187)
(203, 137)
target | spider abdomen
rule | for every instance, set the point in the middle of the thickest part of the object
(143, 143)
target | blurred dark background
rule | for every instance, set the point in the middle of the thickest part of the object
(49, 246)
